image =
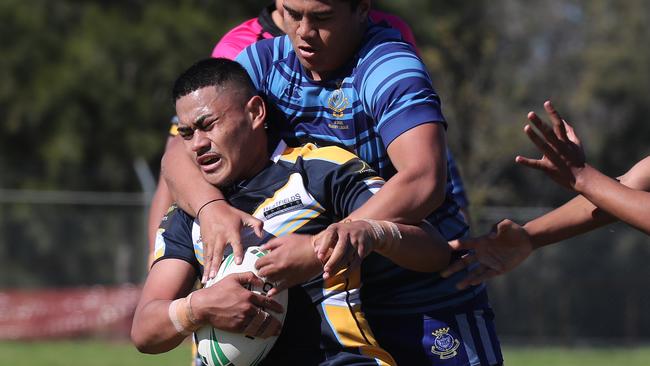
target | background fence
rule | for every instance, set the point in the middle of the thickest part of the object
(91, 248)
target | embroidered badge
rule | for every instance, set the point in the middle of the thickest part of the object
(337, 102)
(444, 345)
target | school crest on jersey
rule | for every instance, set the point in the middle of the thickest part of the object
(444, 345)
(337, 102)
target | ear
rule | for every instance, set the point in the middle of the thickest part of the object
(363, 9)
(256, 110)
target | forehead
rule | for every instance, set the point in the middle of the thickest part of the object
(316, 6)
(204, 101)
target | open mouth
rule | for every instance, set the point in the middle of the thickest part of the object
(209, 163)
(306, 51)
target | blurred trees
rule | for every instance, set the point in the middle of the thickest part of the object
(85, 90)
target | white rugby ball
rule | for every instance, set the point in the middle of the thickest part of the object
(218, 347)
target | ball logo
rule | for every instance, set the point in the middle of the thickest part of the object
(444, 345)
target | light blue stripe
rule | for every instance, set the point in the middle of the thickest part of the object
(466, 334)
(346, 142)
(485, 336)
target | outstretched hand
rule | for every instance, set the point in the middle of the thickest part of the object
(221, 225)
(507, 245)
(563, 157)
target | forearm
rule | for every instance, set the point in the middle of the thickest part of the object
(419, 249)
(575, 217)
(160, 203)
(629, 205)
(185, 181)
(406, 197)
(152, 329)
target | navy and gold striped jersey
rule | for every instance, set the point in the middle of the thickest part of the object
(302, 190)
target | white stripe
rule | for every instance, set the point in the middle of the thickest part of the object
(341, 298)
(485, 336)
(468, 341)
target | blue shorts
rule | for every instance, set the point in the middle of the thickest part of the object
(454, 336)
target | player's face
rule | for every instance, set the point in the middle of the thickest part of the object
(325, 34)
(221, 130)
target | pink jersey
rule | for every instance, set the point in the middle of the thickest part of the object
(251, 31)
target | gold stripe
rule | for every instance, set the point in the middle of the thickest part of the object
(342, 319)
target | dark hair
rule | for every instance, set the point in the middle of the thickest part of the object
(353, 3)
(212, 72)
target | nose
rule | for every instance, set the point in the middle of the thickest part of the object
(200, 142)
(305, 28)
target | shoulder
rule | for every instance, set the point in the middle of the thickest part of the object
(237, 39)
(394, 22)
(312, 153)
(384, 49)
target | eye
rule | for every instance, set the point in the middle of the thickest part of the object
(185, 132)
(293, 14)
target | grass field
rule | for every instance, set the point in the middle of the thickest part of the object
(123, 354)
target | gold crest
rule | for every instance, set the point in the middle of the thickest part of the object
(337, 102)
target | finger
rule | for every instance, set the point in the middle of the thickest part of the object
(272, 244)
(342, 253)
(247, 279)
(237, 247)
(270, 327)
(549, 150)
(256, 224)
(531, 163)
(480, 274)
(544, 129)
(471, 277)
(556, 121)
(324, 242)
(215, 256)
(464, 244)
(266, 302)
(278, 286)
(459, 265)
(571, 134)
(253, 327)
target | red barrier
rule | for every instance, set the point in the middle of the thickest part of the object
(65, 313)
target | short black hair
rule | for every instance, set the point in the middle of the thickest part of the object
(215, 72)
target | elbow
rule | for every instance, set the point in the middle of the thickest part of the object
(141, 342)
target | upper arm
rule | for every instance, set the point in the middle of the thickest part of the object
(421, 150)
(638, 177)
(168, 279)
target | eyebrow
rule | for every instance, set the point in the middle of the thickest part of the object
(199, 120)
(315, 13)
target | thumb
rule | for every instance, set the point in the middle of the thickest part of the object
(464, 244)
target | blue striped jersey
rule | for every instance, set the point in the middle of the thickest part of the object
(383, 92)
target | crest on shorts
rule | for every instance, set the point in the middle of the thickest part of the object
(337, 102)
(444, 345)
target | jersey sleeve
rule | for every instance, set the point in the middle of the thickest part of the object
(340, 180)
(238, 38)
(259, 57)
(174, 239)
(397, 92)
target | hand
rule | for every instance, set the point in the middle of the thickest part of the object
(230, 306)
(351, 243)
(563, 157)
(221, 225)
(507, 245)
(291, 262)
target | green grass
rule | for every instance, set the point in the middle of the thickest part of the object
(98, 353)
(576, 356)
(87, 353)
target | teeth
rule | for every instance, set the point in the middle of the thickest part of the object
(211, 160)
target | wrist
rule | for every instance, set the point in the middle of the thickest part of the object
(208, 203)
(182, 317)
(583, 177)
